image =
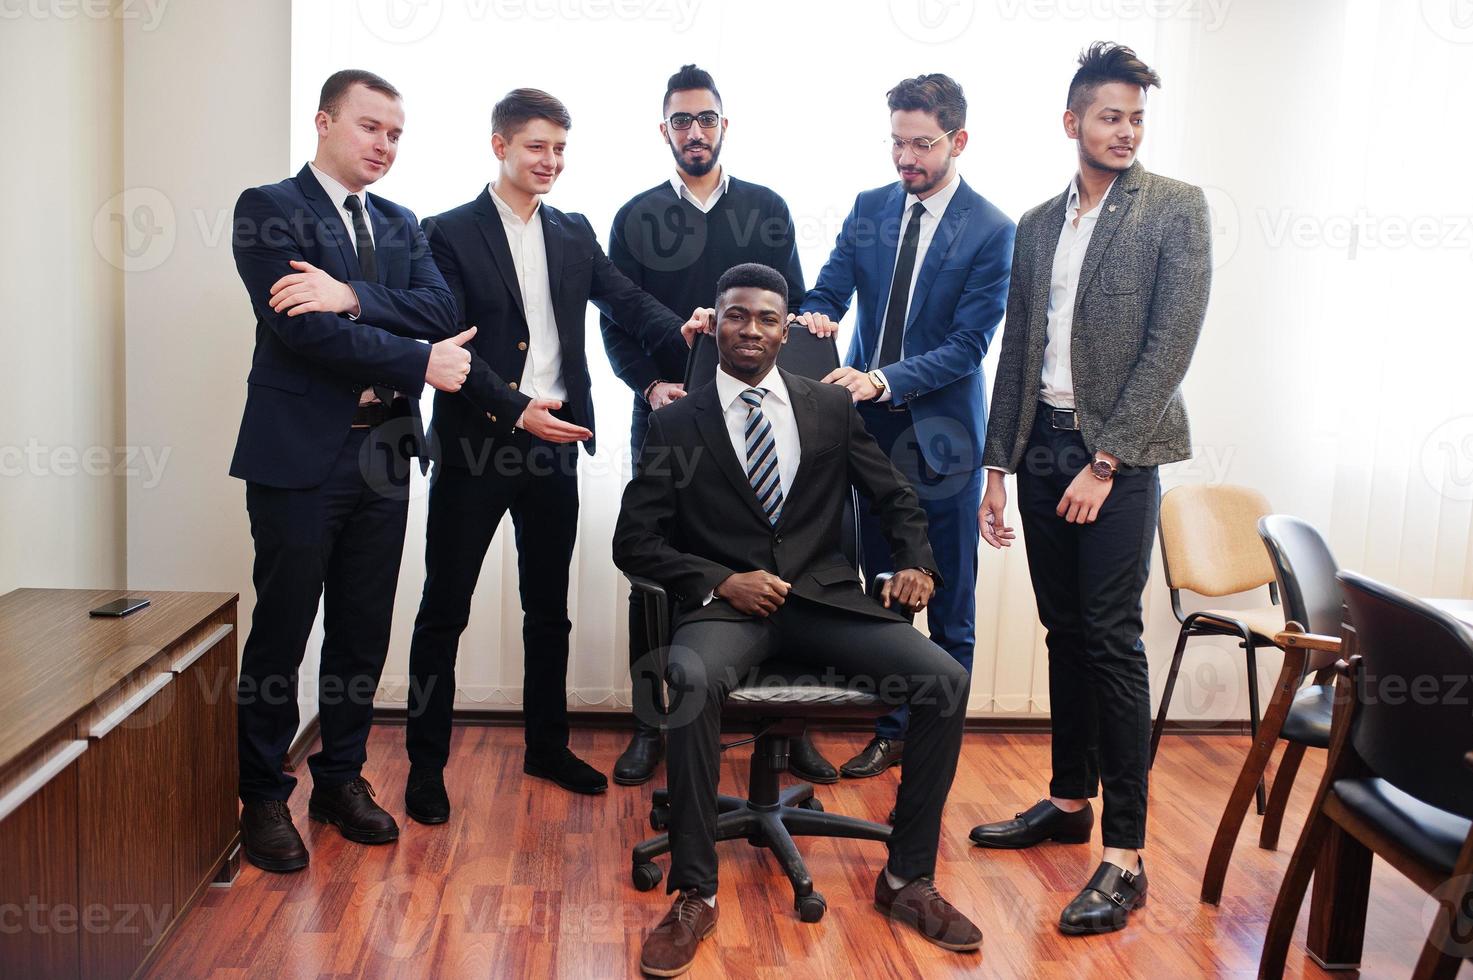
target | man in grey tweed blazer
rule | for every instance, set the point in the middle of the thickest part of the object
(1108, 293)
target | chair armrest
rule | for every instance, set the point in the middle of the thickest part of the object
(1308, 641)
(877, 585)
(656, 615)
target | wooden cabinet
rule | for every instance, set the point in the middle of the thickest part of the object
(117, 775)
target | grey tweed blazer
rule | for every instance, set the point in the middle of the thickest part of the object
(1138, 312)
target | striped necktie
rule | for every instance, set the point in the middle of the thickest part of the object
(762, 456)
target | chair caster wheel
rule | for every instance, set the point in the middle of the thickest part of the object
(659, 817)
(810, 907)
(646, 876)
(812, 803)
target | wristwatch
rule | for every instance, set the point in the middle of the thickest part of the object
(1103, 469)
(878, 380)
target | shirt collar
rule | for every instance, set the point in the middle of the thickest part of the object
(729, 389)
(935, 205)
(681, 190)
(505, 209)
(1071, 205)
(336, 192)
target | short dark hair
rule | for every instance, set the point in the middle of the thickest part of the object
(937, 94)
(521, 105)
(1102, 63)
(339, 82)
(688, 78)
(752, 275)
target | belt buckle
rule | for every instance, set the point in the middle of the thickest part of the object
(1070, 414)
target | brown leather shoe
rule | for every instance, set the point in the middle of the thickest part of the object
(920, 906)
(880, 754)
(269, 839)
(351, 808)
(669, 950)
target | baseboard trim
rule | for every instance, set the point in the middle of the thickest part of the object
(624, 721)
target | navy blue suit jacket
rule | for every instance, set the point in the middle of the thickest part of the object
(959, 299)
(307, 371)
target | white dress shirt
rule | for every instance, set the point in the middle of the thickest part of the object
(777, 408)
(542, 374)
(681, 190)
(1058, 371)
(934, 209)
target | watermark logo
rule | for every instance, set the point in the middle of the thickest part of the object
(1225, 225)
(1447, 458)
(401, 21)
(135, 229)
(1451, 20)
(933, 21)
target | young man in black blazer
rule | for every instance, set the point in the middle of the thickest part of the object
(775, 455)
(345, 296)
(522, 274)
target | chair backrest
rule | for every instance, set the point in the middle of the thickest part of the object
(1209, 539)
(805, 355)
(1305, 570)
(1412, 719)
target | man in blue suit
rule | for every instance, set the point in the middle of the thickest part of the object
(929, 260)
(352, 320)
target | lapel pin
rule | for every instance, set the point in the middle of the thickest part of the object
(1112, 209)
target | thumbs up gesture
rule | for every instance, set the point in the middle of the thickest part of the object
(450, 362)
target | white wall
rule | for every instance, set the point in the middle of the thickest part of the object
(61, 319)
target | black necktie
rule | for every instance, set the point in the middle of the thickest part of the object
(905, 264)
(368, 266)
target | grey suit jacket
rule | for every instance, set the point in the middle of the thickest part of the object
(1138, 312)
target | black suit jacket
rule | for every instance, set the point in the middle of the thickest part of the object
(307, 371)
(690, 519)
(471, 250)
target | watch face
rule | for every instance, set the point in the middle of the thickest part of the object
(1102, 469)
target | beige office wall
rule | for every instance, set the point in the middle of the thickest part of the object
(61, 320)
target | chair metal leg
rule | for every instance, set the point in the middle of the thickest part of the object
(1181, 646)
(1278, 799)
(1251, 656)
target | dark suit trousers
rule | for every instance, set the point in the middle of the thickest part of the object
(538, 482)
(710, 657)
(339, 542)
(951, 504)
(1088, 580)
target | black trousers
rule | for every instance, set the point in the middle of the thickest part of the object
(340, 543)
(1088, 580)
(538, 482)
(708, 658)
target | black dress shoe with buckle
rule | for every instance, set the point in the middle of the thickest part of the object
(350, 808)
(269, 839)
(1106, 902)
(567, 770)
(808, 764)
(1041, 822)
(637, 763)
(880, 754)
(425, 798)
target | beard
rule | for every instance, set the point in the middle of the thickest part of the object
(702, 168)
(1106, 163)
(931, 180)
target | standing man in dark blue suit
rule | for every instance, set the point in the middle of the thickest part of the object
(928, 258)
(345, 295)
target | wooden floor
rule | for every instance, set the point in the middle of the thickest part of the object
(527, 880)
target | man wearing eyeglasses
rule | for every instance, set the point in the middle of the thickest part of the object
(674, 241)
(928, 258)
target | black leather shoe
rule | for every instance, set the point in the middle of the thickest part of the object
(350, 807)
(425, 798)
(880, 754)
(1040, 822)
(1106, 902)
(808, 764)
(636, 764)
(568, 771)
(269, 839)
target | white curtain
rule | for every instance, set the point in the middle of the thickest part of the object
(1330, 134)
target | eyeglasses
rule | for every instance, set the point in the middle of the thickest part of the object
(919, 145)
(682, 120)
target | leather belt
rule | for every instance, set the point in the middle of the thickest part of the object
(1066, 419)
(372, 415)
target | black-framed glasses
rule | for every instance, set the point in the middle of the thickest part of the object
(682, 120)
(920, 145)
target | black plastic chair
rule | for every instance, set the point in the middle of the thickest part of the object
(805, 354)
(1396, 785)
(1304, 571)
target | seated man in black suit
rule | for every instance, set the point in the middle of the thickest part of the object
(774, 455)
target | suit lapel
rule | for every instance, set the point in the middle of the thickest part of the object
(952, 222)
(327, 213)
(805, 414)
(552, 237)
(711, 422)
(391, 252)
(488, 220)
(1113, 210)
